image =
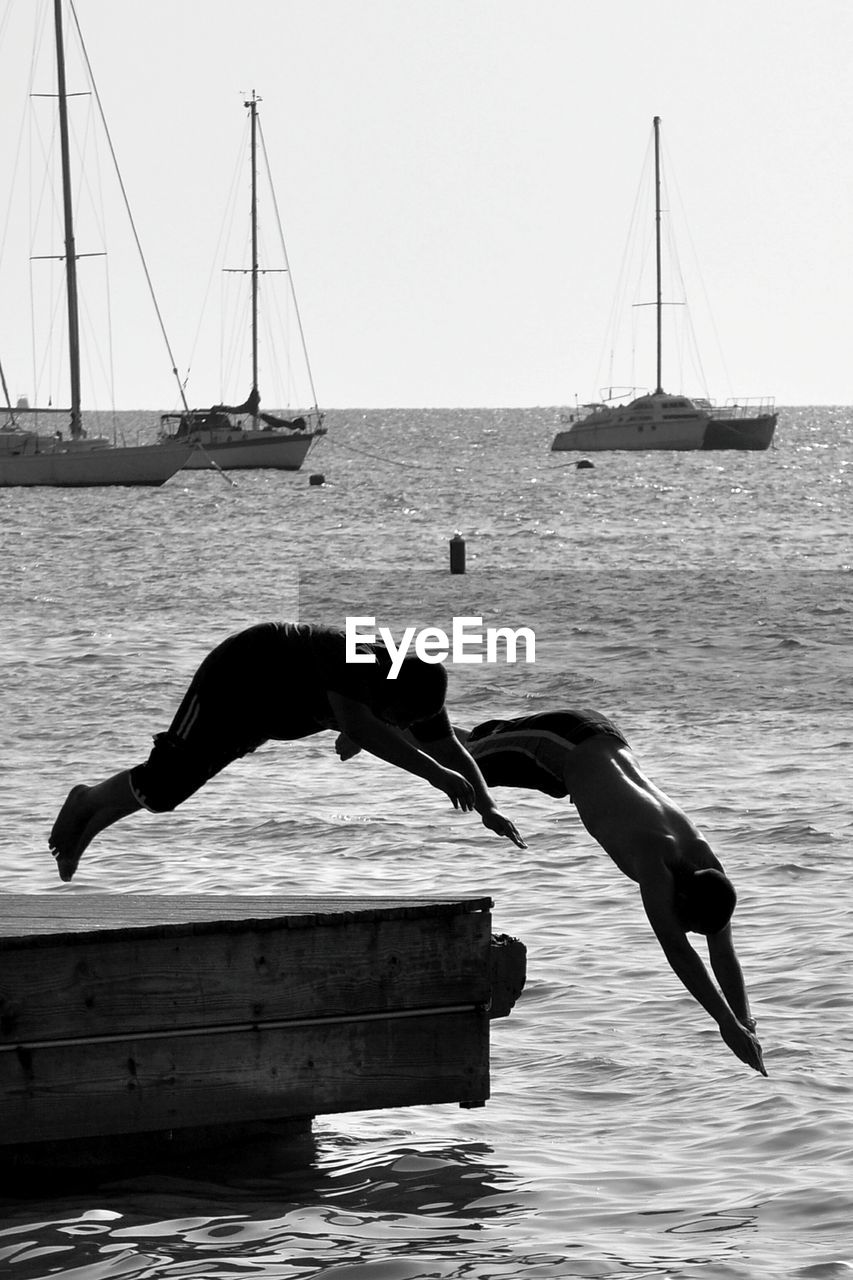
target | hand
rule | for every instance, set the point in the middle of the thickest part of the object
(503, 827)
(459, 789)
(743, 1044)
(345, 747)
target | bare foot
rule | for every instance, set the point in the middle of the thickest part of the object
(72, 831)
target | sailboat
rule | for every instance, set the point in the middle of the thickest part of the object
(239, 437)
(29, 458)
(661, 420)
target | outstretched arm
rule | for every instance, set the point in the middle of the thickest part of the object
(450, 752)
(361, 728)
(657, 894)
(728, 973)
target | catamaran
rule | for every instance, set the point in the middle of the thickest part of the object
(661, 420)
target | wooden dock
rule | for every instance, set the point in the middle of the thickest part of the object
(134, 1014)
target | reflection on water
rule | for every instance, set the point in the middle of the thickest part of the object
(360, 1211)
(357, 1209)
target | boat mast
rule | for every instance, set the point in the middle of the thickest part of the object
(70, 251)
(658, 299)
(253, 109)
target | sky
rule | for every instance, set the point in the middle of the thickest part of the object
(455, 181)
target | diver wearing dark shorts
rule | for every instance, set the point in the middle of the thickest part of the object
(531, 751)
(280, 681)
(269, 682)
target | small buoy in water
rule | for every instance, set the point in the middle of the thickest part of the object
(457, 553)
(583, 463)
(317, 478)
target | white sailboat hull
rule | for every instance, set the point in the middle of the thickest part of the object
(630, 436)
(89, 468)
(247, 450)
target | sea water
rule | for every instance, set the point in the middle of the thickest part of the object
(704, 602)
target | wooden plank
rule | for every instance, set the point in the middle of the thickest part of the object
(142, 1014)
(42, 919)
(86, 986)
(127, 1086)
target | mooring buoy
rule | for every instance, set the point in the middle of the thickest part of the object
(457, 553)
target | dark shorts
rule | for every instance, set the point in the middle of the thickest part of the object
(271, 681)
(222, 716)
(529, 752)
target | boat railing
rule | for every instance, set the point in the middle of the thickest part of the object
(616, 397)
(744, 407)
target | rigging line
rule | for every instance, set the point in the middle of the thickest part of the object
(127, 204)
(235, 306)
(698, 269)
(682, 336)
(11, 179)
(630, 254)
(287, 265)
(379, 457)
(216, 467)
(87, 143)
(218, 257)
(497, 473)
(4, 17)
(26, 129)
